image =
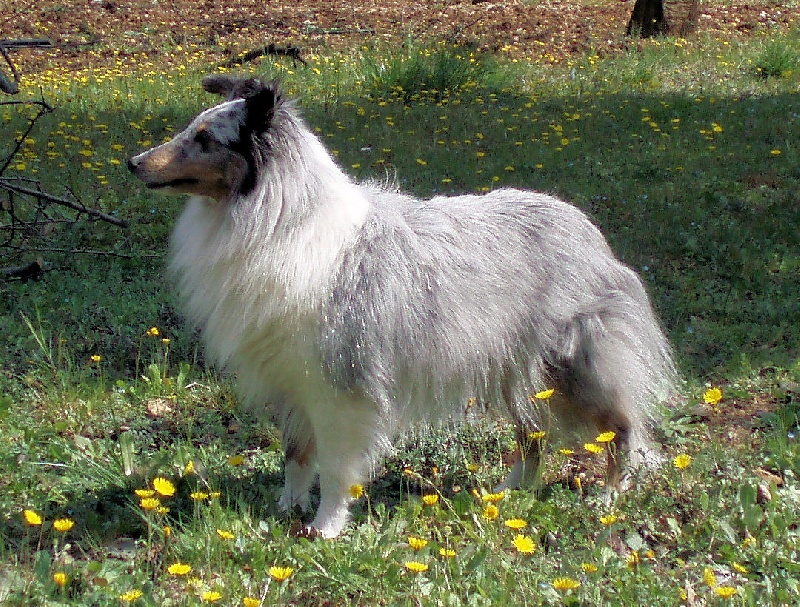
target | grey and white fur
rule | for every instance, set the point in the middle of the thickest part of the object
(351, 310)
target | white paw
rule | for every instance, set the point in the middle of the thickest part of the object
(288, 500)
(327, 529)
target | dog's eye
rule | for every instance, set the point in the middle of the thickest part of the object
(204, 140)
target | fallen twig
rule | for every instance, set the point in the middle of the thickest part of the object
(270, 49)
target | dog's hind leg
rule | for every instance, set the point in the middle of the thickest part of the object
(526, 469)
(525, 472)
(603, 383)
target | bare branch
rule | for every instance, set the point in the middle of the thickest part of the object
(75, 206)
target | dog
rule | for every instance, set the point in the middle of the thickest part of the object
(351, 310)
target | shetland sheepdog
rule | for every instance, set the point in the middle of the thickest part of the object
(349, 310)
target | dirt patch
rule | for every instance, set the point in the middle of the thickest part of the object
(108, 32)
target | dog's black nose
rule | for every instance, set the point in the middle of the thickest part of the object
(131, 164)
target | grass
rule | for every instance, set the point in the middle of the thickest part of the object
(683, 151)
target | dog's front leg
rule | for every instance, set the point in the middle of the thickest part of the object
(347, 436)
(299, 475)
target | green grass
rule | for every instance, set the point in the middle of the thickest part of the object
(684, 152)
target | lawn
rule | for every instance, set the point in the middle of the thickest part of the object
(128, 474)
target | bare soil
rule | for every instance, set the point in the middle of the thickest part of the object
(94, 32)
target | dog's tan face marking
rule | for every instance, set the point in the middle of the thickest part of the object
(203, 159)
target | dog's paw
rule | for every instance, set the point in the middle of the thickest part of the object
(287, 501)
(309, 532)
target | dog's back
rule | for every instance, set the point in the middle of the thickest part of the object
(471, 296)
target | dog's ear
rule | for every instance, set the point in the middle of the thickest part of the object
(231, 87)
(220, 84)
(261, 105)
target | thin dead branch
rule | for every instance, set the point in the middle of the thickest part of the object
(292, 52)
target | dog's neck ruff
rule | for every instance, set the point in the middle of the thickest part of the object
(267, 259)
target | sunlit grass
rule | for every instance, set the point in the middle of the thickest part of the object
(130, 477)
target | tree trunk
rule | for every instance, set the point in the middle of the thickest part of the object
(648, 19)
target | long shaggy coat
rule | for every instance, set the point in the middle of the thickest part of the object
(350, 310)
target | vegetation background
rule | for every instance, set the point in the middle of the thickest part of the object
(129, 476)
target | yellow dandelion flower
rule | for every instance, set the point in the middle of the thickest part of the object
(199, 495)
(153, 332)
(516, 523)
(60, 578)
(589, 567)
(421, 162)
(537, 435)
(545, 394)
(709, 578)
(32, 518)
(606, 437)
(682, 461)
(524, 544)
(491, 512)
(251, 602)
(417, 543)
(633, 559)
(131, 596)
(738, 567)
(149, 503)
(179, 569)
(225, 535)
(608, 519)
(566, 452)
(447, 553)
(563, 584)
(593, 448)
(356, 491)
(725, 592)
(145, 492)
(167, 530)
(712, 396)
(188, 468)
(95, 358)
(281, 574)
(211, 596)
(63, 524)
(236, 460)
(415, 566)
(775, 152)
(163, 486)
(431, 499)
(493, 498)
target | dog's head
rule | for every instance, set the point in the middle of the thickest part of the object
(215, 155)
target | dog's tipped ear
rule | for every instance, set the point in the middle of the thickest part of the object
(220, 84)
(231, 87)
(261, 106)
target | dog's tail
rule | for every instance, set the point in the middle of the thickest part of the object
(620, 366)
